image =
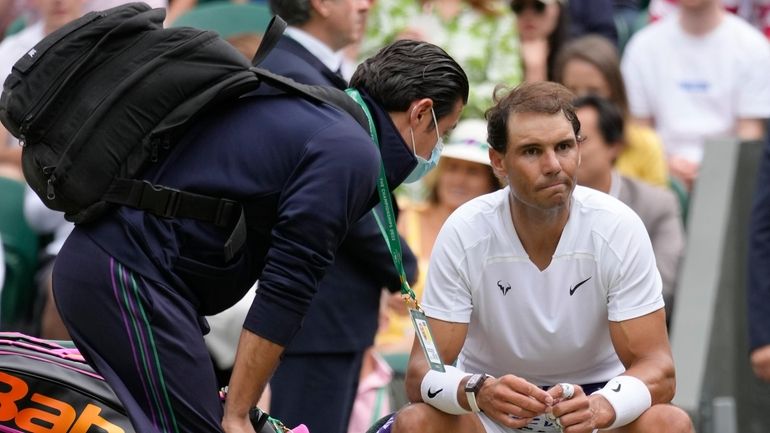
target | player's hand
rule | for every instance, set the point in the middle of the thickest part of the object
(760, 362)
(579, 413)
(512, 401)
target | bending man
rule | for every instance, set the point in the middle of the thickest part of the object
(132, 287)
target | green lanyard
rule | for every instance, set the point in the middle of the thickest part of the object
(389, 231)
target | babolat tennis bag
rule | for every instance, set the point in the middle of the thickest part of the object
(99, 100)
(46, 386)
(49, 387)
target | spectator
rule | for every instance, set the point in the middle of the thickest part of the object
(480, 34)
(317, 381)
(756, 12)
(758, 291)
(697, 74)
(601, 123)
(543, 30)
(546, 25)
(590, 65)
(311, 49)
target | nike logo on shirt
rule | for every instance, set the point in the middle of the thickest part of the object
(575, 287)
(617, 389)
(432, 394)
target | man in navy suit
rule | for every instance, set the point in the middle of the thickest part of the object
(311, 49)
(317, 380)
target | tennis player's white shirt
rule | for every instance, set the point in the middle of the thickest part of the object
(550, 326)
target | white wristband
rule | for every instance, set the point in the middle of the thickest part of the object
(440, 389)
(629, 396)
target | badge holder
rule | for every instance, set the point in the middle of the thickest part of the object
(424, 335)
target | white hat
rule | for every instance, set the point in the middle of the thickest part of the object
(468, 142)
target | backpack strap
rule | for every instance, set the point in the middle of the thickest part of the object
(321, 94)
(170, 202)
(273, 33)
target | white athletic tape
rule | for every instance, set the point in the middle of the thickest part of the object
(567, 390)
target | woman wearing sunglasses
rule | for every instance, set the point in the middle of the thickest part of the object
(543, 29)
(546, 25)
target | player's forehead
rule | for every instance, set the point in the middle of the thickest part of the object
(541, 128)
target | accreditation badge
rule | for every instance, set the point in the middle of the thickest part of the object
(424, 335)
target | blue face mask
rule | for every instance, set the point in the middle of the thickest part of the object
(424, 166)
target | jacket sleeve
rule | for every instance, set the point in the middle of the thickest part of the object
(329, 189)
(367, 245)
(758, 291)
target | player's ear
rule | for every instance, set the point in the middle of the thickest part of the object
(498, 163)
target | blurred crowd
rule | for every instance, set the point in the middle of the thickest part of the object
(653, 81)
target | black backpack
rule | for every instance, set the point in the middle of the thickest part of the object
(98, 101)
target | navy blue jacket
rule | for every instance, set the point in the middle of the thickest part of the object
(305, 173)
(343, 316)
(759, 257)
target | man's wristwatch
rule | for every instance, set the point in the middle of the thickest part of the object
(472, 387)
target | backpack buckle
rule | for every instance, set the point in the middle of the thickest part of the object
(160, 200)
(226, 212)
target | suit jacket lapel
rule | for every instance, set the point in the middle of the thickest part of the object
(295, 48)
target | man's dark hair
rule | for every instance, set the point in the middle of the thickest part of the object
(294, 12)
(610, 117)
(540, 97)
(408, 70)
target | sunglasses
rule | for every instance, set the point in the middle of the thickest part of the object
(520, 6)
